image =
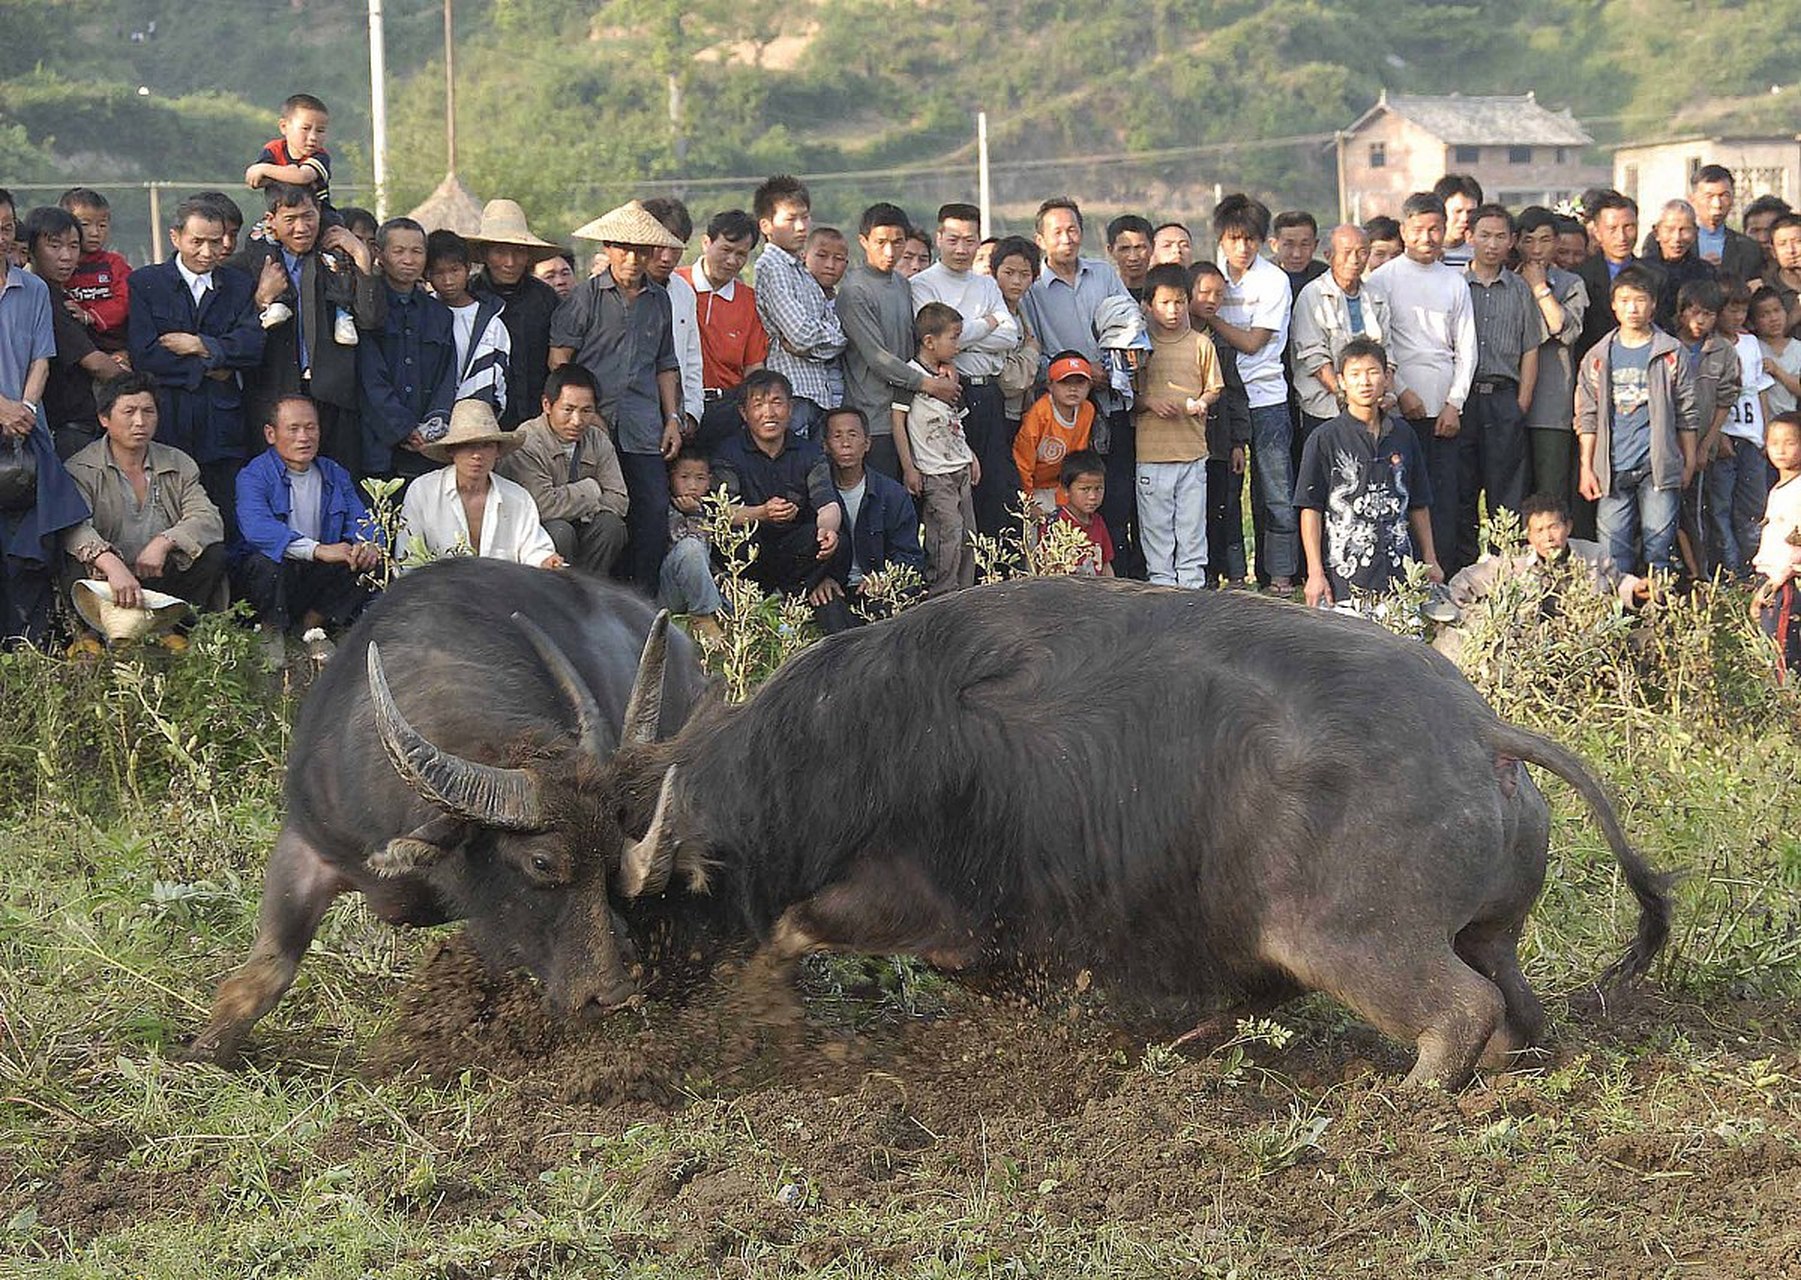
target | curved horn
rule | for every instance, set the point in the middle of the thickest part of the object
(595, 736)
(647, 863)
(478, 793)
(644, 710)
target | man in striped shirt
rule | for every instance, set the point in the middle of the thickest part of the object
(805, 338)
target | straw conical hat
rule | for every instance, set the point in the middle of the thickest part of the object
(630, 223)
(472, 422)
(94, 602)
(503, 222)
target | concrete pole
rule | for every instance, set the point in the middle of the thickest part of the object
(985, 196)
(378, 108)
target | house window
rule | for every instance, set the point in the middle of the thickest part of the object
(1629, 182)
(1562, 156)
(1519, 155)
(1378, 155)
(1465, 155)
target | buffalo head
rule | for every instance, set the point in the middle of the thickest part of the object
(525, 851)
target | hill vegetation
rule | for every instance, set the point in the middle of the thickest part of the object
(571, 104)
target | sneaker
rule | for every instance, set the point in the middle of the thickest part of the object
(1283, 587)
(276, 313)
(319, 647)
(1437, 606)
(343, 329)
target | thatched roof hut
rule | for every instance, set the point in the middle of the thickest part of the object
(450, 208)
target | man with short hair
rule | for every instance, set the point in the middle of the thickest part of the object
(1330, 310)
(1672, 247)
(1461, 194)
(508, 251)
(1613, 224)
(192, 327)
(1572, 245)
(1731, 251)
(572, 472)
(306, 536)
(1385, 241)
(409, 371)
(1432, 332)
(617, 325)
(1293, 242)
(1129, 246)
(1060, 309)
(1562, 302)
(1760, 218)
(684, 305)
(303, 277)
(733, 341)
(805, 338)
(1254, 320)
(875, 306)
(152, 523)
(1172, 242)
(989, 333)
(1508, 333)
(52, 239)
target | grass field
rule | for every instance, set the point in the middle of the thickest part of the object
(405, 1114)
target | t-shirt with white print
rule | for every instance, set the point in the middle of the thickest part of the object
(1745, 419)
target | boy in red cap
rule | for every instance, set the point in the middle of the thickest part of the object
(1056, 426)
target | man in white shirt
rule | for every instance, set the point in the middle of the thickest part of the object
(464, 508)
(1254, 321)
(1432, 344)
(684, 306)
(989, 333)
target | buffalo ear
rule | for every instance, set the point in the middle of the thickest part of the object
(646, 864)
(403, 855)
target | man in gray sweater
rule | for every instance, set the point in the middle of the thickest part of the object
(875, 309)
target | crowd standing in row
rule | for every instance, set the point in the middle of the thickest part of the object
(881, 403)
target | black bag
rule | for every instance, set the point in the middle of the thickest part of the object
(18, 474)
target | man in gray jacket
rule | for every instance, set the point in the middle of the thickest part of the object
(1332, 309)
(1636, 421)
(569, 467)
(875, 308)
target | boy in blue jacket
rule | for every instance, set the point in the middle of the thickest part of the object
(306, 537)
(881, 524)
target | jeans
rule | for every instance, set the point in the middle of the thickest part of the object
(1500, 428)
(1272, 490)
(1119, 505)
(646, 516)
(1172, 521)
(1636, 509)
(1737, 489)
(1453, 465)
(1225, 522)
(685, 583)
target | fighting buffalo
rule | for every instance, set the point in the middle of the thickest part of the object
(1197, 796)
(445, 766)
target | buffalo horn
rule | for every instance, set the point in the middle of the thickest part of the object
(478, 793)
(647, 863)
(644, 710)
(591, 726)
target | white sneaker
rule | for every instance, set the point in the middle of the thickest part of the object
(343, 329)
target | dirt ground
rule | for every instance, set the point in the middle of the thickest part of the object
(1024, 1119)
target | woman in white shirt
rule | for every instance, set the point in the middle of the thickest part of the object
(464, 508)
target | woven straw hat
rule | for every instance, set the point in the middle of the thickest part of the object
(159, 613)
(629, 224)
(472, 422)
(503, 222)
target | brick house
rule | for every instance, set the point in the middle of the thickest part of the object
(1519, 151)
(1653, 172)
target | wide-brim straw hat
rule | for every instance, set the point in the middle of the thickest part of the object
(472, 422)
(630, 223)
(503, 222)
(119, 624)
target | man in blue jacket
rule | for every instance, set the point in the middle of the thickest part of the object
(881, 525)
(193, 327)
(306, 538)
(407, 373)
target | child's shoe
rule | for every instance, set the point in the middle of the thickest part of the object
(343, 329)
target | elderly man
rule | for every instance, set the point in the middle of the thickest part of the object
(465, 508)
(619, 327)
(508, 250)
(733, 341)
(1673, 250)
(989, 333)
(152, 523)
(193, 328)
(306, 537)
(1331, 310)
(568, 465)
(304, 276)
(1712, 198)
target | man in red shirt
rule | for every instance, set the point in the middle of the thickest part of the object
(98, 295)
(733, 341)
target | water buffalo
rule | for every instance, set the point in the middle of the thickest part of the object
(1194, 795)
(443, 766)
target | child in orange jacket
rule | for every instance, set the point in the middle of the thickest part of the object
(1056, 426)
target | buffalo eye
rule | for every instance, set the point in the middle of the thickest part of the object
(540, 864)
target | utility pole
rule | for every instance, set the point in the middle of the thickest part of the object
(984, 196)
(378, 108)
(450, 91)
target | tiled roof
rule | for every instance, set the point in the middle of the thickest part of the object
(1485, 120)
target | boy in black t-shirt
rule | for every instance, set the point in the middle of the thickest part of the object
(1363, 492)
(298, 156)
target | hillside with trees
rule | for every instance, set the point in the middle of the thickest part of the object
(569, 105)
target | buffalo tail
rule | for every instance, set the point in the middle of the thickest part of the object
(1650, 887)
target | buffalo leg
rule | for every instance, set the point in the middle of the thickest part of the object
(1447, 1009)
(297, 890)
(1494, 953)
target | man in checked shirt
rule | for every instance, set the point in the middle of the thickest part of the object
(805, 338)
